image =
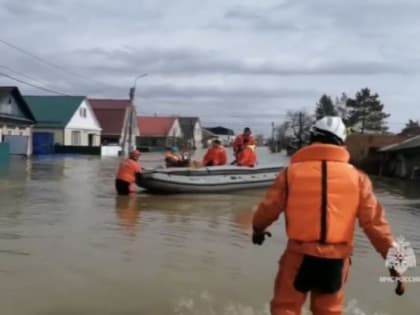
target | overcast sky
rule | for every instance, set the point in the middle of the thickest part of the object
(234, 63)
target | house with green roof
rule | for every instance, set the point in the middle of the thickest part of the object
(63, 120)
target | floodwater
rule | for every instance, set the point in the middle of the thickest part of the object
(69, 245)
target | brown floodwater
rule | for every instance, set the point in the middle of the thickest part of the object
(69, 245)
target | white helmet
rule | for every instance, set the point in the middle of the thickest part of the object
(333, 125)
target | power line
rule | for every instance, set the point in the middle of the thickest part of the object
(24, 75)
(48, 63)
(32, 85)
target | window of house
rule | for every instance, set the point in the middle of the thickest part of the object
(76, 138)
(83, 112)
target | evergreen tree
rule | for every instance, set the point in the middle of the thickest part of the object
(365, 112)
(325, 107)
(411, 128)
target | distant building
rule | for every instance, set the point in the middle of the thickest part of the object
(16, 122)
(208, 137)
(401, 159)
(364, 149)
(192, 132)
(118, 120)
(158, 132)
(225, 135)
(64, 121)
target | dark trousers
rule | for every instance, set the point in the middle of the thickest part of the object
(122, 187)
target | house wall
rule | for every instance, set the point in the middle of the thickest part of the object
(81, 125)
(58, 134)
(13, 130)
(84, 118)
(363, 146)
(83, 139)
(158, 142)
(402, 164)
(175, 131)
(9, 106)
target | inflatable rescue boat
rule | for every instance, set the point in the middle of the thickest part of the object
(208, 179)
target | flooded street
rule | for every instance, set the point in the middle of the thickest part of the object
(69, 245)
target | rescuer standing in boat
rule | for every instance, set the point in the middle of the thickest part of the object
(238, 144)
(322, 197)
(128, 172)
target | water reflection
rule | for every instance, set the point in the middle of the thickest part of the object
(128, 213)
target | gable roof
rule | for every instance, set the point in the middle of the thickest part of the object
(187, 125)
(53, 111)
(23, 105)
(221, 131)
(111, 114)
(155, 126)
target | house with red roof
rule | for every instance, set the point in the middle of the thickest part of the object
(117, 118)
(158, 132)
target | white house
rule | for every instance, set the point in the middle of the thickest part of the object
(63, 120)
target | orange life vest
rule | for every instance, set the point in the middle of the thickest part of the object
(238, 143)
(247, 157)
(215, 156)
(128, 170)
(323, 195)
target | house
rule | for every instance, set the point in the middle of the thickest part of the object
(158, 132)
(225, 135)
(401, 159)
(208, 137)
(364, 149)
(192, 132)
(16, 122)
(63, 121)
(118, 120)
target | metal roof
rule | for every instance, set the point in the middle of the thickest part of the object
(409, 143)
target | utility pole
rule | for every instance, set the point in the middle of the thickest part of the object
(132, 96)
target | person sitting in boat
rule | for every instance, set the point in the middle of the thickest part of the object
(239, 145)
(173, 158)
(247, 156)
(216, 155)
(127, 174)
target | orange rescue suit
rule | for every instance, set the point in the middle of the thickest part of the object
(322, 196)
(238, 144)
(215, 156)
(128, 170)
(247, 157)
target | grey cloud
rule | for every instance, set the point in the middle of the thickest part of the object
(196, 62)
(241, 17)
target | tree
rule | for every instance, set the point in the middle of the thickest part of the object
(411, 128)
(365, 112)
(300, 124)
(325, 107)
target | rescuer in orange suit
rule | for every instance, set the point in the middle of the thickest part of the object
(247, 156)
(238, 144)
(216, 155)
(322, 197)
(128, 172)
